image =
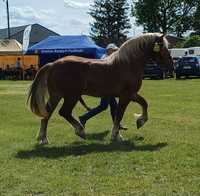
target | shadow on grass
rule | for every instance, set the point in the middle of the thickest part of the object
(188, 78)
(97, 136)
(79, 148)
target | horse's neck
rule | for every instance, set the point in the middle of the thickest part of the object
(132, 61)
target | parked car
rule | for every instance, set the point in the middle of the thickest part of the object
(176, 60)
(188, 66)
(154, 71)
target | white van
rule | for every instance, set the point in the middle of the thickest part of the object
(178, 52)
(194, 51)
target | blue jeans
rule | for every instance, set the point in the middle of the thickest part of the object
(103, 105)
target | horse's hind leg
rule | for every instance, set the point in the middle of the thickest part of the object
(51, 105)
(144, 116)
(66, 112)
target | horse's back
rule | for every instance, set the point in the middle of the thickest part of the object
(77, 59)
(69, 73)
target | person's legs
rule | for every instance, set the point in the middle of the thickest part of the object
(3, 75)
(123, 103)
(101, 107)
(113, 109)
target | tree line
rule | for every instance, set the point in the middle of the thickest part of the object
(111, 18)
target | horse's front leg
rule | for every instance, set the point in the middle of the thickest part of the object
(123, 103)
(141, 118)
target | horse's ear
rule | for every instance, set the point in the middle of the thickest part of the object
(161, 37)
(158, 43)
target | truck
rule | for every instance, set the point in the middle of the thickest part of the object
(178, 52)
(194, 51)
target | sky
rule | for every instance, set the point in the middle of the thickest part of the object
(66, 17)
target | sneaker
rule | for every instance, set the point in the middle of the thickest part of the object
(83, 122)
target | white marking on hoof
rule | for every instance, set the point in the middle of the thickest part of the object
(43, 141)
(137, 115)
(117, 138)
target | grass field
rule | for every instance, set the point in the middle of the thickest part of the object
(163, 158)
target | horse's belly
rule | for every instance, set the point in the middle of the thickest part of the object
(100, 88)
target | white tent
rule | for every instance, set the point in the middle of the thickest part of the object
(10, 46)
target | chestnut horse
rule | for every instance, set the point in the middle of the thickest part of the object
(119, 75)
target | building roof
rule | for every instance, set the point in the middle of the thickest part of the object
(38, 33)
(13, 31)
(173, 40)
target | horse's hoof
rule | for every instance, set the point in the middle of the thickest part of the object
(81, 134)
(43, 141)
(117, 138)
(140, 122)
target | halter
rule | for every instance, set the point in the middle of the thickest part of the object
(156, 47)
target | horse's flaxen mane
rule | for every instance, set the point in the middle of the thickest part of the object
(135, 47)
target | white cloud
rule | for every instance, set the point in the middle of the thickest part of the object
(23, 13)
(67, 22)
(27, 15)
(76, 4)
(65, 17)
(75, 22)
(77, 19)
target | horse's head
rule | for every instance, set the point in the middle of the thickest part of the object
(147, 46)
(161, 53)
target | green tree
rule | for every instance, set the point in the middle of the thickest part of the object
(192, 41)
(111, 21)
(166, 16)
(196, 23)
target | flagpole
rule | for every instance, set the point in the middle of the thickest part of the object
(8, 17)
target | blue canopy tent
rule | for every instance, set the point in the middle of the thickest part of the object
(55, 47)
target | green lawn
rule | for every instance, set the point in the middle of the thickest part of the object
(162, 158)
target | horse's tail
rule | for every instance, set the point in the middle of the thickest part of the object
(38, 92)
